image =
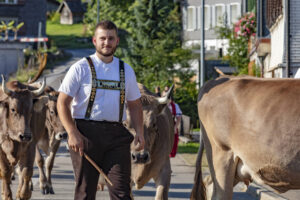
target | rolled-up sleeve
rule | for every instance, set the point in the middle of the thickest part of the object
(133, 92)
(71, 82)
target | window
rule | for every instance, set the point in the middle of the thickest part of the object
(234, 13)
(219, 15)
(8, 1)
(207, 17)
(191, 18)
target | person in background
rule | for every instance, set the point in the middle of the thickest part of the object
(92, 106)
(176, 114)
(157, 91)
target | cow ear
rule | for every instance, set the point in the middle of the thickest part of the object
(39, 103)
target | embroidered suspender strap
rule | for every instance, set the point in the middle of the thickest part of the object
(93, 91)
(106, 84)
(122, 89)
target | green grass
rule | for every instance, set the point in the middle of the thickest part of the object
(191, 147)
(68, 36)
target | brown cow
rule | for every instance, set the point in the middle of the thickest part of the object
(153, 161)
(51, 132)
(16, 107)
(159, 138)
(251, 131)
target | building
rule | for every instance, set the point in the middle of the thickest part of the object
(71, 11)
(31, 12)
(277, 53)
(52, 6)
(216, 13)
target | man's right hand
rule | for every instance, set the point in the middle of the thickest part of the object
(75, 141)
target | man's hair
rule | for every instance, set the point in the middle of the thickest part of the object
(106, 25)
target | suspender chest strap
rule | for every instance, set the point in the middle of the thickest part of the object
(108, 85)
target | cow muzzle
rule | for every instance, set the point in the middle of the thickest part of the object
(25, 137)
(61, 136)
(140, 157)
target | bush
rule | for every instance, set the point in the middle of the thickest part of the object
(54, 18)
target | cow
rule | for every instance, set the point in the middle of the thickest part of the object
(16, 107)
(48, 137)
(251, 132)
(153, 161)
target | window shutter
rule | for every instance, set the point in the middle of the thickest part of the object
(223, 15)
(184, 18)
(199, 14)
(194, 18)
(213, 16)
(229, 15)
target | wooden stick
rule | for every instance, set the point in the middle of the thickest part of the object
(98, 168)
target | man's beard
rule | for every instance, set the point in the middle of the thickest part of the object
(107, 54)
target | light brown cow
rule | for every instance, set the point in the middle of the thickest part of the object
(154, 161)
(251, 132)
(16, 107)
(51, 132)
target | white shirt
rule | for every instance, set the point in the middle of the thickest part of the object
(77, 84)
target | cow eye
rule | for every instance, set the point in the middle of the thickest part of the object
(51, 112)
(13, 110)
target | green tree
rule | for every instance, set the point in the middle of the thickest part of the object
(150, 41)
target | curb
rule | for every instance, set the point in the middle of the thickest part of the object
(261, 193)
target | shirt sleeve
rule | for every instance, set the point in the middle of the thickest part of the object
(71, 82)
(133, 92)
(178, 111)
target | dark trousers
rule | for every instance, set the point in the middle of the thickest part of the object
(108, 144)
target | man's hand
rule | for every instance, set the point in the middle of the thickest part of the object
(75, 142)
(75, 139)
(136, 115)
(139, 142)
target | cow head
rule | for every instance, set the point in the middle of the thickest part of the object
(16, 105)
(152, 108)
(55, 128)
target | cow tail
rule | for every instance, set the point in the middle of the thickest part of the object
(199, 191)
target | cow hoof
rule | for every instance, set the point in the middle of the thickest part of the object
(45, 191)
(51, 191)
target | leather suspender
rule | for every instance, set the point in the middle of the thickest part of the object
(106, 84)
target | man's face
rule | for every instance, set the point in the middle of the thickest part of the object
(105, 41)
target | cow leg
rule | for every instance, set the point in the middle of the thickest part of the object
(39, 160)
(49, 165)
(25, 173)
(162, 182)
(6, 171)
(222, 169)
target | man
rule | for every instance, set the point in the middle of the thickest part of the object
(91, 108)
(177, 114)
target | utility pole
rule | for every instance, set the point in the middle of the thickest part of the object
(202, 50)
(98, 4)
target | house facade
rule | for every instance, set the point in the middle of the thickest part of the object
(31, 12)
(277, 54)
(216, 13)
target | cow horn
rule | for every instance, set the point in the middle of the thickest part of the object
(41, 89)
(4, 88)
(164, 99)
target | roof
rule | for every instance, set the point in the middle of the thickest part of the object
(53, 2)
(75, 6)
